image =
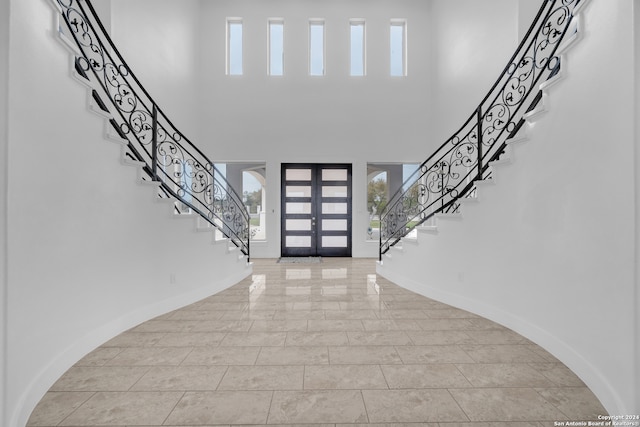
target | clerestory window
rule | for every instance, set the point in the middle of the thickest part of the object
(398, 48)
(234, 46)
(357, 60)
(276, 47)
(316, 48)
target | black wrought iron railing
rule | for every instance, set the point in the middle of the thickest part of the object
(450, 173)
(183, 171)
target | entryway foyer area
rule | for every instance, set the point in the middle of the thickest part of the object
(328, 343)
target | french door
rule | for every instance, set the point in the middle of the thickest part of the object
(316, 210)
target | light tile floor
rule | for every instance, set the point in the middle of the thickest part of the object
(328, 344)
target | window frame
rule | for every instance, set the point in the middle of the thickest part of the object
(402, 23)
(317, 22)
(270, 65)
(358, 22)
(230, 55)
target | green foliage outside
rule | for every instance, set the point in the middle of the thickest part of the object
(252, 199)
(376, 196)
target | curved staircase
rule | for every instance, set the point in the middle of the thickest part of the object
(450, 176)
(186, 178)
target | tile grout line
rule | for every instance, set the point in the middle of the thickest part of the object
(364, 403)
(304, 373)
(385, 377)
(185, 356)
(174, 407)
(75, 410)
(463, 375)
(222, 378)
(550, 403)
(273, 392)
(141, 376)
(458, 405)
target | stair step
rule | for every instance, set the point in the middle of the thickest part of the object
(128, 155)
(485, 183)
(150, 183)
(60, 35)
(99, 102)
(113, 132)
(429, 229)
(131, 162)
(577, 35)
(166, 200)
(203, 225)
(522, 136)
(540, 109)
(183, 215)
(466, 200)
(455, 216)
(555, 79)
(505, 157)
(80, 72)
(410, 240)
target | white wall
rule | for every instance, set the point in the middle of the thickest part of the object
(330, 116)
(527, 11)
(90, 251)
(454, 57)
(298, 118)
(337, 118)
(636, 44)
(551, 250)
(473, 40)
(4, 166)
(164, 53)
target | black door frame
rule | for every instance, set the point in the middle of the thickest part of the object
(316, 215)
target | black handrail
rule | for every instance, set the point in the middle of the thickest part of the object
(450, 173)
(182, 169)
